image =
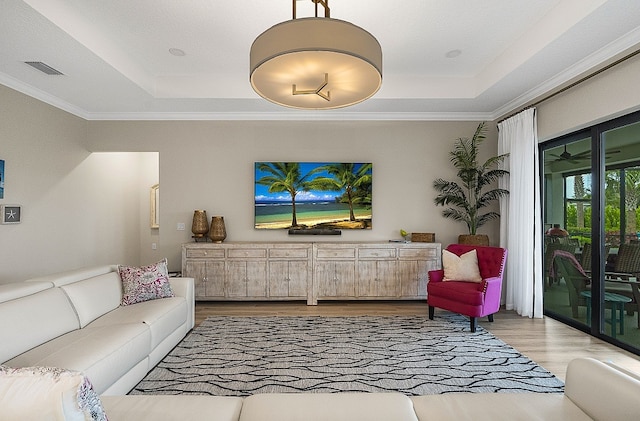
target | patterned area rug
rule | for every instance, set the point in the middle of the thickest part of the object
(240, 356)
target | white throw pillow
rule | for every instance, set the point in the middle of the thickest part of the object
(461, 268)
(47, 393)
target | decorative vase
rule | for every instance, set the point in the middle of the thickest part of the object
(474, 240)
(200, 225)
(217, 233)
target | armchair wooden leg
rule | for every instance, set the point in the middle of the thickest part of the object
(431, 312)
(474, 323)
(490, 317)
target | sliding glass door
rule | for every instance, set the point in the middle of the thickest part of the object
(568, 205)
(591, 210)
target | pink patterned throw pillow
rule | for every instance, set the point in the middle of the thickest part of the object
(48, 393)
(145, 283)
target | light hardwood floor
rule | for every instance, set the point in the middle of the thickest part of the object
(546, 341)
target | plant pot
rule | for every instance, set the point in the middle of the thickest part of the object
(474, 240)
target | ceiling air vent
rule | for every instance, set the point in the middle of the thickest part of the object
(44, 68)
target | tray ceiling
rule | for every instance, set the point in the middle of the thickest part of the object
(466, 59)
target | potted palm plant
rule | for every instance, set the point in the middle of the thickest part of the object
(466, 198)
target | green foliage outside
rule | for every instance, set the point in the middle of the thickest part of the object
(612, 219)
(611, 222)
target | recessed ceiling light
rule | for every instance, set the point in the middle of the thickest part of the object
(453, 53)
(177, 52)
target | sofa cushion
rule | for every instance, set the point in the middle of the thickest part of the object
(15, 290)
(104, 354)
(71, 276)
(47, 393)
(461, 268)
(163, 316)
(172, 407)
(145, 283)
(496, 406)
(614, 396)
(27, 322)
(94, 296)
(328, 406)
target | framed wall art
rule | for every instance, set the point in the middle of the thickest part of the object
(1, 179)
(11, 214)
(154, 199)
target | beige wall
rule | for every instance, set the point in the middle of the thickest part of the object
(78, 208)
(209, 165)
(83, 209)
(149, 176)
(611, 94)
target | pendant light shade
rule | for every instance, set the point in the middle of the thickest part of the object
(316, 63)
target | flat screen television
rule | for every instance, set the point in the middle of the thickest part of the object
(313, 195)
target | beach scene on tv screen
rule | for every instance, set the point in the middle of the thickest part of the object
(313, 195)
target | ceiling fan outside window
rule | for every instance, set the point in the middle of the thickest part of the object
(577, 157)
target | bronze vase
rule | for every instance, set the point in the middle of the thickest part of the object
(200, 225)
(217, 233)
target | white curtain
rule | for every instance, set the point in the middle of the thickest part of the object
(520, 221)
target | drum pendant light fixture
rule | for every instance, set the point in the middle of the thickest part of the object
(316, 63)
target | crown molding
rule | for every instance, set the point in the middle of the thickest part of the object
(294, 116)
(622, 45)
(40, 95)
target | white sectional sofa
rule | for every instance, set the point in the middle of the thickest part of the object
(593, 391)
(75, 320)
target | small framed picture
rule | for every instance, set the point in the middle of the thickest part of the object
(11, 214)
(154, 205)
(1, 178)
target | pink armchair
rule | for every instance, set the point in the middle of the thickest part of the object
(471, 299)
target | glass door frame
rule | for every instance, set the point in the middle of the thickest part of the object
(598, 173)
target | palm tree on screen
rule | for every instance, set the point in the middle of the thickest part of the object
(354, 181)
(284, 177)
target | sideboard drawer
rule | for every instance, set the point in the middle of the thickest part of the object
(421, 253)
(301, 253)
(381, 253)
(243, 253)
(202, 252)
(332, 253)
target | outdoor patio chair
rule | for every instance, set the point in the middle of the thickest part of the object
(623, 279)
(565, 265)
(585, 260)
(549, 251)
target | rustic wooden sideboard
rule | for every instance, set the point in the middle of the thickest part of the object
(310, 271)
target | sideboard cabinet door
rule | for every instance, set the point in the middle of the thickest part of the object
(207, 267)
(414, 263)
